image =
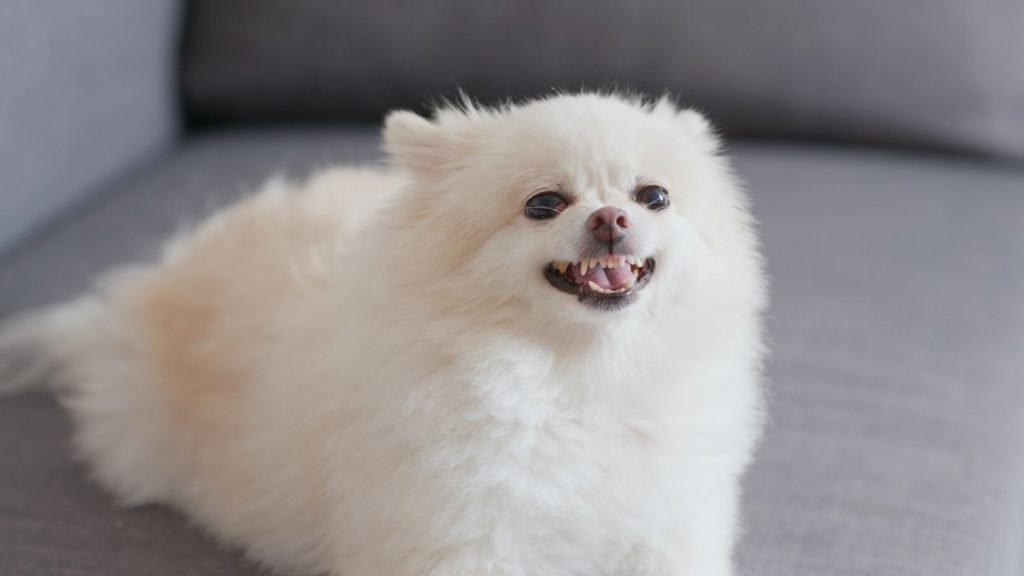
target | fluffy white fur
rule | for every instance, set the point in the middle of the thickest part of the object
(368, 374)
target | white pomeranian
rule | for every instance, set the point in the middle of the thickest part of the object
(532, 350)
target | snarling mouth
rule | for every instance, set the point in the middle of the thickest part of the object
(607, 282)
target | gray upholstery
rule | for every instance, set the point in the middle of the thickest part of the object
(897, 395)
(53, 522)
(86, 92)
(936, 73)
(897, 444)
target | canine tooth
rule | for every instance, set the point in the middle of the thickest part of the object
(562, 266)
(595, 287)
(583, 266)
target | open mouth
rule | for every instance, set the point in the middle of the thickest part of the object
(607, 282)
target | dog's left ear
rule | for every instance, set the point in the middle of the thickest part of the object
(690, 120)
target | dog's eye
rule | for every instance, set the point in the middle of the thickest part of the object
(545, 206)
(653, 197)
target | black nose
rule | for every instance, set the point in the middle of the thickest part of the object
(608, 224)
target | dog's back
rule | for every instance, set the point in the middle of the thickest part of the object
(160, 365)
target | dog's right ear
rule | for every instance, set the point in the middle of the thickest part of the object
(415, 143)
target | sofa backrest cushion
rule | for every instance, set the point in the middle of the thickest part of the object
(932, 73)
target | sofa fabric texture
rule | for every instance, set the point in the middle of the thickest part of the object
(930, 73)
(87, 92)
(897, 407)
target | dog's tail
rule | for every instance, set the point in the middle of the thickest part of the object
(32, 344)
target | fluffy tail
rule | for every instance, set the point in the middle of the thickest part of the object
(30, 346)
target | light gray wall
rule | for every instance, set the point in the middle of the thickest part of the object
(87, 90)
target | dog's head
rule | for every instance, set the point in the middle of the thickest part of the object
(575, 206)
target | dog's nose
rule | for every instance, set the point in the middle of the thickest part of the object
(608, 224)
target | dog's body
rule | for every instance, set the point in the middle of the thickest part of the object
(366, 376)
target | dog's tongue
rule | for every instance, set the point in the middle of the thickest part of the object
(607, 278)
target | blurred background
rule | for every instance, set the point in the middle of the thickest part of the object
(882, 142)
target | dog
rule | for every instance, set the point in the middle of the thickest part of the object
(531, 347)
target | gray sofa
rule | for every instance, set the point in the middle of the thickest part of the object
(883, 144)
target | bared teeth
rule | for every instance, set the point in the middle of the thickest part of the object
(635, 263)
(608, 261)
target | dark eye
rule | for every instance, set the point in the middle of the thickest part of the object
(545, 206)
(653, 197)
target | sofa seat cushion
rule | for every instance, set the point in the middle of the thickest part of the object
(897, 396)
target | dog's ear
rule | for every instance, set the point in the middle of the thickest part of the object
(431, 146)
(690, 120)
(415, 143)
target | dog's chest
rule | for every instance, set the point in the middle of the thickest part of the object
(605, 463)
(585, 487)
